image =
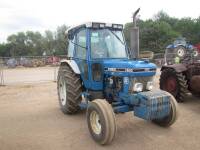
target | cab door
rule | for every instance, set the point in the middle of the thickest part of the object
(91, 70)
(81, 54)
(95, 65)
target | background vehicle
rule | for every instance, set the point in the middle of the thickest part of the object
(198, 47)
(99, 76)
(180, 48)
(181, 72)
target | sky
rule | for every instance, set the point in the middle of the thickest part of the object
(40, 15)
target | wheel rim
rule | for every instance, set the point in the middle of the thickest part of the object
(62, 91)
(95, 122)
(181, 52)
(195, 53)
(171, 85)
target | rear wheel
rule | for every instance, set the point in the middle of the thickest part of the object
(173, 115)
(101, 121)
(69, 90)
(174, 83)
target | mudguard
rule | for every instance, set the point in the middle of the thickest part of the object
(170, 46)
(73, 65)
(177, 67)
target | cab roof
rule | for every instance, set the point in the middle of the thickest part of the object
(96, 25)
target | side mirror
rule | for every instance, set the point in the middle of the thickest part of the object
(69, 35)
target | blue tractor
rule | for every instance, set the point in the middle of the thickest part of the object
(180, 50)
(181, 72)
(100, 76)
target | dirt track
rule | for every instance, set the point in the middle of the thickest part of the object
(30, 119)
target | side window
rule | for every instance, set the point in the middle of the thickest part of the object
(70, 48)
(81, 40)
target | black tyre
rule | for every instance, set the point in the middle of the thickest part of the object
(101, 121)
(172, 117)
(69, 89)
(174, 83)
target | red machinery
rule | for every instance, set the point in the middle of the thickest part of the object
(198, 47)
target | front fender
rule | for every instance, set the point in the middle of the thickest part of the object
(177, 67)
(73, 65)
(170, 46)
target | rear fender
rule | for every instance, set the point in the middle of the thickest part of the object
(177, 67)
(73, 65)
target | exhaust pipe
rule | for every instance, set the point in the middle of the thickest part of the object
(134, 37)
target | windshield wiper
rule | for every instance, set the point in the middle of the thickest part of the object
(78, 44)
(117, 37)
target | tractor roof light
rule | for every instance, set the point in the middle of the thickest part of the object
(117, 26)
(98, 25)
(109, 25)
(102, 25)
(88, 24)
(95, 25)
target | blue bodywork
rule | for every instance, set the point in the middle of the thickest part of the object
(146, 104)
(187, 46)
(180, 42)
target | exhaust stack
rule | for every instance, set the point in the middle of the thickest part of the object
(134, 37)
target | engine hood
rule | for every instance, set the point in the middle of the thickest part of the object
(128, 64)
(129, 67)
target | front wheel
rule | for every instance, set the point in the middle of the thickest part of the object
(173, 115)
(101, 121)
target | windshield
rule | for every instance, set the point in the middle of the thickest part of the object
(106, 43)
(181, 41)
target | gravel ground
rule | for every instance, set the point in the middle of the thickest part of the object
(21, 75)
(30, 119)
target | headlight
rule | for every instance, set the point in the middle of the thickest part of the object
(149, 85)
(138, 87)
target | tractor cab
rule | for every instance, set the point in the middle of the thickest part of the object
(100, 49)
